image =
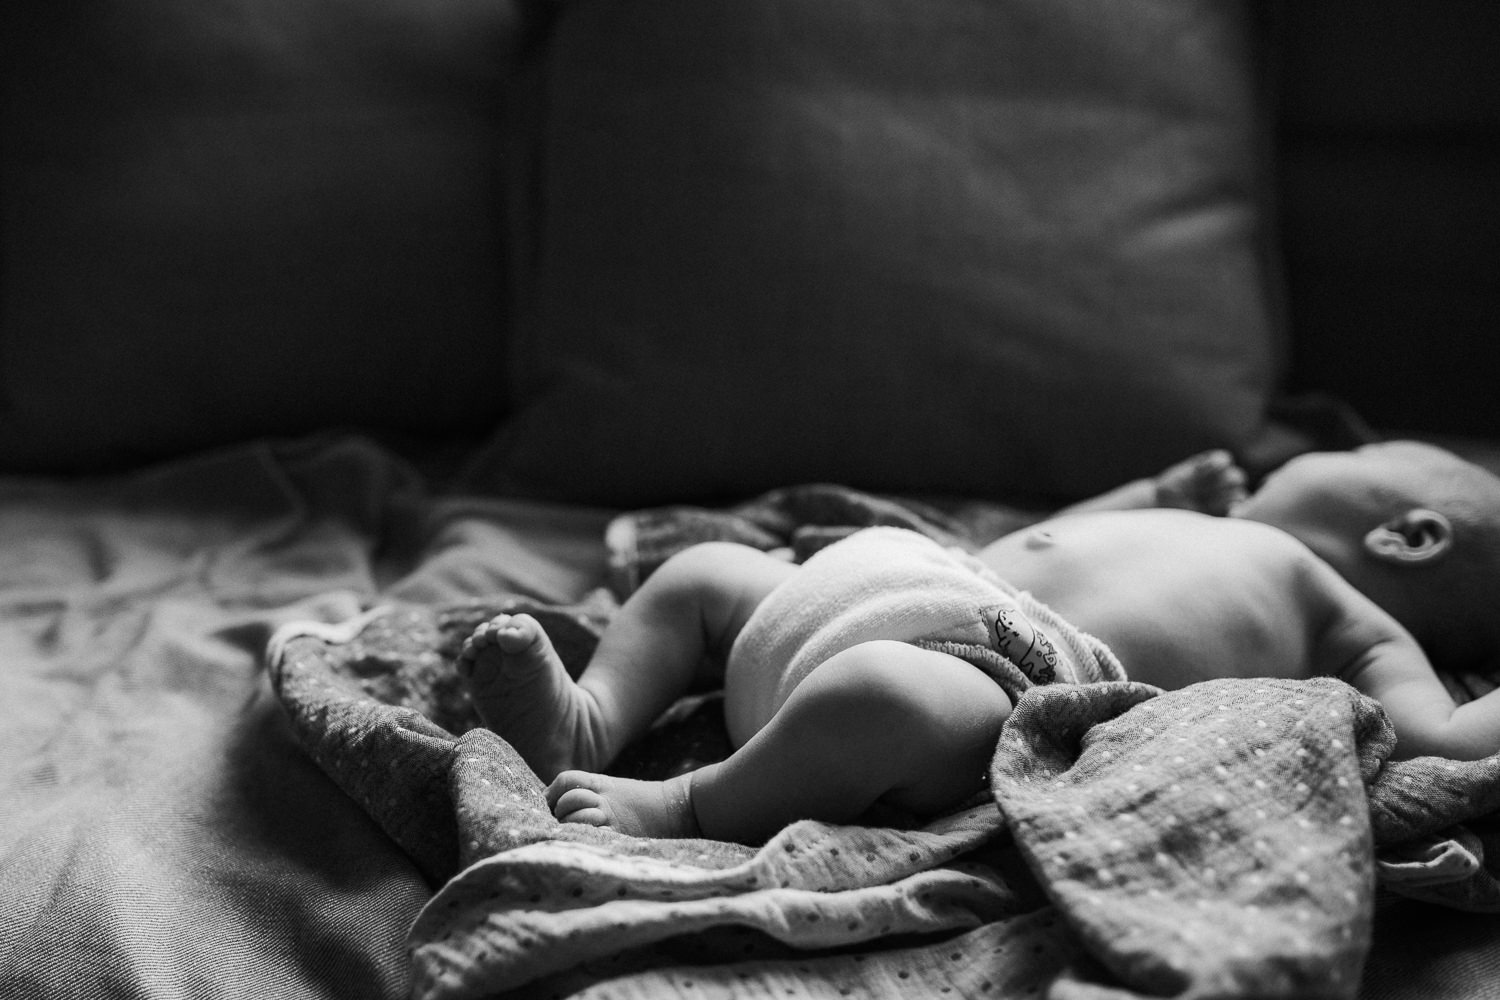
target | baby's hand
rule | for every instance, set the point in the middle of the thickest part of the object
(1210, 483)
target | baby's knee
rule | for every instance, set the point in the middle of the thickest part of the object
(693, 576)
(705, 556)
(704, 567)
(722, 582)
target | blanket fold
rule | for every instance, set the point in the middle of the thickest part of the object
(1213, 841)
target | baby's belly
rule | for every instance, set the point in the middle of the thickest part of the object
(1172, 656)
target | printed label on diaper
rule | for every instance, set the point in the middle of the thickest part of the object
(1025, 645)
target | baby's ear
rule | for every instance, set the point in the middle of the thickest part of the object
(1416, 537)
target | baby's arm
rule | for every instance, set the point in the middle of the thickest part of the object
(1210, 482)
(1396, 673)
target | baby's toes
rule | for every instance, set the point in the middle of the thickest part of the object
(501, 624)
(571, 781)
(516, 633)
(493, 632)
(482, 636)
(575, 798)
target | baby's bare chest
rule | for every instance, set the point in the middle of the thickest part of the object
(1175, 604)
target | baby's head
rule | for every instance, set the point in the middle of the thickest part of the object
(1407, 523)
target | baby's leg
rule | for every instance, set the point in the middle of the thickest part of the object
(693, 605)
(881, 722)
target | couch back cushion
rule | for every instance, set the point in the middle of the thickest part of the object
(1389, 151)
(225, 218)
(908, 245)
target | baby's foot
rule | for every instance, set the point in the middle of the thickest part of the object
(640, 808)
(1210, 483)
(523, 692)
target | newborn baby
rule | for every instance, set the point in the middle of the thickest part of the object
(875, 673)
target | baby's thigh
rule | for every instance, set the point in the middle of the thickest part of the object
(933, 719)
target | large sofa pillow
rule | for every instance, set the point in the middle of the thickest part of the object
(910, 245)
(225, 218)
